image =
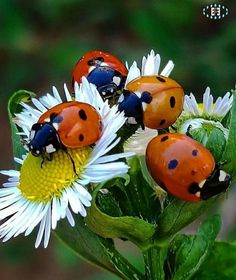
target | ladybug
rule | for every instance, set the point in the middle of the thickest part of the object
(131, 104)
(67, 125)
(184, 167)
(102, 69)
(167, 98)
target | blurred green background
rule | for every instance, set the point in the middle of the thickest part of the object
(40, 42)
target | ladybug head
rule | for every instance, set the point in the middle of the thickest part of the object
(43, 139)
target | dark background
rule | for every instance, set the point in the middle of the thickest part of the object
(40, 42)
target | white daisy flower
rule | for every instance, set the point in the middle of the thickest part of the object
(43, 194)
(209, 109)
(150, 66)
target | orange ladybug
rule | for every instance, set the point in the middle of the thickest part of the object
(184, 167)
(167, 98)
(102, 69)
(67, 125)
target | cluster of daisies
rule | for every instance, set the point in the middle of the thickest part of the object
(40, 197)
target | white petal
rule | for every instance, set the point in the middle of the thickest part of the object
(41, 231)
(70, 217)
(133, 73)
(56, 94)
(47, 228)
(168, 69)
(67, 93)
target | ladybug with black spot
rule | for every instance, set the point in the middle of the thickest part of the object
(67, 125)
(185, 168)
(165, 103)
(102, 69)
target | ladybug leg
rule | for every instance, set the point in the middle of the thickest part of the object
(174, 128)
(188, 131)
(50, 157)
(45, 157)
(43, 160)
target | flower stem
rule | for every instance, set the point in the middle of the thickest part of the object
(154, 259)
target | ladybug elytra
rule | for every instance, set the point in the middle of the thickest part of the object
(185, 168)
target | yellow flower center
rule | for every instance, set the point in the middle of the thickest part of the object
(41, 180)
(200, 107)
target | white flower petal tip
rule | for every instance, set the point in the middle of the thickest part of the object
(22, 213)
(138, 142)
(208, 109)
(150, 66)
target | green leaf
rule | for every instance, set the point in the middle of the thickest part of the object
(179, 214)
(86, 244)
(15, 107)
(229, 155)
(134, 229)
(187, 253)
(220, 263)
(140, 191)
(95, 249)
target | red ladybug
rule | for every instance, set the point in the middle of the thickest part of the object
(165, 103)
(102, 69)
(67, 125)
(184, 167)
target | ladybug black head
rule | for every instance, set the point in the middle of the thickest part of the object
(43, 139)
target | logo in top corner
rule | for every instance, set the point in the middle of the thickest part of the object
(215, 11)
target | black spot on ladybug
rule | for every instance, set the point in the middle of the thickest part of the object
(161, 79)
(95, 62)
(193, 172)
(82, 115)
(172, 102)
(172, 164)
(193, 188)
(91, 62)
(194, 153)
(53, 116)
(162, 122)
(164, 138)
(100, 58)
(81, 137)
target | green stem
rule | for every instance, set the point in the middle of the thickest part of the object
(154, 259)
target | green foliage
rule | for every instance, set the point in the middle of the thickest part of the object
(13, 108)
(177, 215)
(220, 263)
(229, 155)
(134, 229)
(187, 253)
